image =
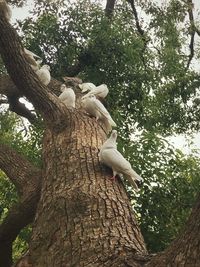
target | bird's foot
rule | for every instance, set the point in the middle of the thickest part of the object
(113, 178)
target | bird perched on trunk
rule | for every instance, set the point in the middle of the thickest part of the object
(95, 108)
(86, 87)
(67, 96)
(44, 74)
(32, 59)
(100, 91)
(110, 156)
(5, 9)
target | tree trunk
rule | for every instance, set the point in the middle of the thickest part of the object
(83, 218)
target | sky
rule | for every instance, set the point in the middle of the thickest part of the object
(178, 141)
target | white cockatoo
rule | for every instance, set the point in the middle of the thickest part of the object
(67, 96)
(110, 156)
(44, 74)
(6, 10)
(32, 59)
(95, 108)
(86, 87)
(100, 91)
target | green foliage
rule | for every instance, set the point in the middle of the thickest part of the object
(25, 138)
(171, 183)
(8, 195)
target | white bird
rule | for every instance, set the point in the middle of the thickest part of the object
(100, 91)
(95, 108)
(110, 156)
(67, 96)
(44, 74)
(86, 87)
(5, 8)
(32, 59)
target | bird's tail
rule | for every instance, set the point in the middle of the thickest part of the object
(112, 123)
(132, 182)
(107, 125)
(136, 176)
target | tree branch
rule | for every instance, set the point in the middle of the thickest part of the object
(184, 251)
(192, 32)
(8, 88)
(27, 179)
(18, 217)
(139, 28)
(19, 108)
(110, 8)
(19, 170)
(25, 78)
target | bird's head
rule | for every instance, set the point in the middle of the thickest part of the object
(47, 67)
(92, 96)
(62, 87)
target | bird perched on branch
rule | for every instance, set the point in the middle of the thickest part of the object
(110, 156)
(100, 91)
(44, 74)
(86, 87)
(32, 59)
(95, 108)
(5, 9)
(67, 96)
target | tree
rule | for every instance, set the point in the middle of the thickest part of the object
(79, 217)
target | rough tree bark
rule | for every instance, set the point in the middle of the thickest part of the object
(82, 218)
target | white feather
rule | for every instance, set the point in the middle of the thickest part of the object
(95, 108)
(86, 87)
(32, 59)
(67, 96)
(110, 156)
(44, 74)
(100, 91)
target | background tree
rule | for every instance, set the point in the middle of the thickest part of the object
(82, 218)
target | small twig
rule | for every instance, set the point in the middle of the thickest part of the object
(192, 32)
(110, 5)
(139, 28)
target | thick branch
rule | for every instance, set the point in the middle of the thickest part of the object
(19, 108)
(27, 179)
(25, 78)
(139, 28)
(192, 32)
(185, 250)
(18, 217)
(19, 170)
(110, 8)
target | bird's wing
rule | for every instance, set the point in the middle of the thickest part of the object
(101, 91)
(28, 52)
(101, 109)
(62, 96)
(87, 87)
(113, 158)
